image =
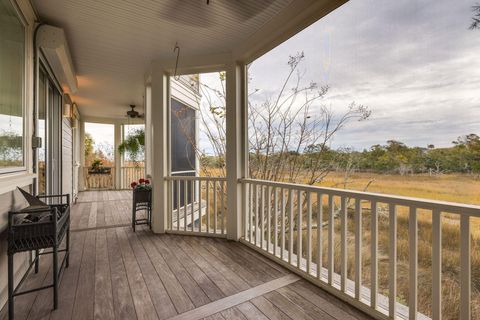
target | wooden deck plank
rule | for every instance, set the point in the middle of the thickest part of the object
(122, 297)
(141, 297)
(84, 215)
(76, 214)
(43, 304)
(210, 269)
(69, 279)
(103, 283)
(177, 294)
(328, 303)
(210, 289)
(196, 294)
(158, 293)
(305, 305)
(85, 293)
(126, 209)
(108, 214)
(251, 312)
(251, 261)
(233, 314)
(239, 283)
(281, 270)
(288, 307)
(269, 309)
(231, 262)
(217, 316)
(92, 218)
(100, 215)
(24, 303)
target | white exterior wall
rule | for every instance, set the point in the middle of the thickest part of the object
(10, 199)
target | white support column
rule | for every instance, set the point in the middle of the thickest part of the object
(236, 160)
(117, 156)
(158, 139)
(81, 173)
(148, 128)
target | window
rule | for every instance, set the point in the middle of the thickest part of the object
(183, 137)
(12, 81)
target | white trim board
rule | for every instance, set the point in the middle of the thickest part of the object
(239, 298)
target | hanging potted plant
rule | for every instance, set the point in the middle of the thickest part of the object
(133, 145)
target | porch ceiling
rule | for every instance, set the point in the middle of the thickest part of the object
(113, 42)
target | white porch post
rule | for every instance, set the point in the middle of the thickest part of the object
(81, 174)
(236, 157)
(157, 138)
(117, 156)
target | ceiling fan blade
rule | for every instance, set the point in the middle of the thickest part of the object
(180, 12)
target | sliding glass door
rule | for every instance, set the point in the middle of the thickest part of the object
(49, 118)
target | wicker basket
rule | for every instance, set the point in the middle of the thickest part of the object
(45, 233)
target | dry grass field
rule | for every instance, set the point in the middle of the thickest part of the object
(447, 187)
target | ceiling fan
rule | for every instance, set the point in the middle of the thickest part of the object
(208, 13)
(134, 114)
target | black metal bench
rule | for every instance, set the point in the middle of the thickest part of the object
(33, 230)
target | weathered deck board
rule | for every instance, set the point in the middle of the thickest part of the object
(103, 282)
(122, 297)
(115, 273)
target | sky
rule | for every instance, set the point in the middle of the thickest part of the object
(103, 136)
(414, 63)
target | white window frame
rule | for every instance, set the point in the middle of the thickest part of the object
(22, 168)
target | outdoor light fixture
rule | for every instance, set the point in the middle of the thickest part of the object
(67, 110)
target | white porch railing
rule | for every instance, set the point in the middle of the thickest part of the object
(277, 211)
(99, 180)
(130, 174)
(197, 205)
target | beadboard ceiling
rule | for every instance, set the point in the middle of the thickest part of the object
(113, 42)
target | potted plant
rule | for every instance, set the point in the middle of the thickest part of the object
(97, 167)
(133, 145)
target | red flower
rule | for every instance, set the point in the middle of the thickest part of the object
(147, 181)
(142, 181)
(133, 185)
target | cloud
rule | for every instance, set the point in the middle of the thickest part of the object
(413, 62)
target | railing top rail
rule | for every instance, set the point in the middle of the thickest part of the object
(441, 206)
(196, 178)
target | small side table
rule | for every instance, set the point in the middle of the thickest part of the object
(142, 201)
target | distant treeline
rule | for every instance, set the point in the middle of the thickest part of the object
(393, 157)
(396, 157)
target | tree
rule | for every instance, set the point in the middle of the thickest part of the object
(295, 126)
(469, 148)
(11, 148)
(89, 144)
(476, 17)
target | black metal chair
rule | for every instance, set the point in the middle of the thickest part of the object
(33, 230)
(142, 201)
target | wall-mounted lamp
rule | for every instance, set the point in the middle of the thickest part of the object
(67, 110)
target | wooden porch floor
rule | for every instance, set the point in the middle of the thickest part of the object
(115, 273)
